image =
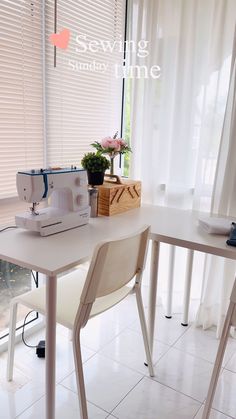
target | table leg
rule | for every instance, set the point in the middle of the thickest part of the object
(187, 287)
(153, 291)
(51, 295)
(170, 284)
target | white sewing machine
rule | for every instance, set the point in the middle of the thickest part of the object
(68, 202)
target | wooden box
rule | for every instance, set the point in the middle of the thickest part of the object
(118, 195)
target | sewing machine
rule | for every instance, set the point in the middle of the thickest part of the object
(67, 192)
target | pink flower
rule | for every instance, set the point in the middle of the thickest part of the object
(109, 142)
(105, 142)
(122, 142)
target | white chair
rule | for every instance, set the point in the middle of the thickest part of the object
(115, 271)
(230, 320)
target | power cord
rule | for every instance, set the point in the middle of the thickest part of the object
(35, 278)
(6, 228)
(40, 348)
(23, 331)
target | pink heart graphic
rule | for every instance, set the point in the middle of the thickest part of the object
(61, 39)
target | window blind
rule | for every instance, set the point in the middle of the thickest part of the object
(83, 104)
(72, 107)
(21, 111)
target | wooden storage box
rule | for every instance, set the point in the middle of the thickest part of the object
(118, 195)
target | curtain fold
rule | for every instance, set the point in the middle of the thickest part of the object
(177, 120)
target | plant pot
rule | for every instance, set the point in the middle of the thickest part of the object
(95, 178)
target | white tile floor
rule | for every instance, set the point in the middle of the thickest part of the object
(117, 382)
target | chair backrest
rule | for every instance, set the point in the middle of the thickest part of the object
(114, 264)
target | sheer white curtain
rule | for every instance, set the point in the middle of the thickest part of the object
(219, 274)
(177, 119)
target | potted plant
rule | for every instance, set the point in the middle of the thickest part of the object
(96, 165)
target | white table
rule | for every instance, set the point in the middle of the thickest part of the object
(58, 253)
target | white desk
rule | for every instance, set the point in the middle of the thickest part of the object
(58, 253)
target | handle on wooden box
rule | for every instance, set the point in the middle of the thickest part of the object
(116, 179)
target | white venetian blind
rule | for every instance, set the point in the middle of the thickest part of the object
(21, 114)
(83, 101)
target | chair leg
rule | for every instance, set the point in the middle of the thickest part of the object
(218, 362)
(11, 343)
(144, 329)
(80, 375)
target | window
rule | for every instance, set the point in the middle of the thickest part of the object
(50, 115)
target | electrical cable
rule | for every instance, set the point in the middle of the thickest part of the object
(23, 331)
(35, 278)
(6, 228)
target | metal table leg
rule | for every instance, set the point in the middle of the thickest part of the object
(170, 284)
(187, 288)
(51, 293)
(153, 291)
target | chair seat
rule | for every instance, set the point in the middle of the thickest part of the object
(69, 289)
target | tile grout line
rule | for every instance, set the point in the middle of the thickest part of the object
(128, 394)
(32, 404)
